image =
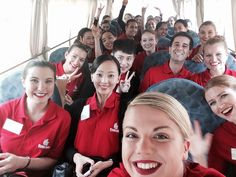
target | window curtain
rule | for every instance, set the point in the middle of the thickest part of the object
(177, 7)
(38, 30)
(200, 11)
(233, 5)
(93, 4)
(109, 7)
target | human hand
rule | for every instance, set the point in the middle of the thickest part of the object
(80, 161)
(100, 8)
(70, 77)
(10, 163)
(68, 100)
(73, 75)
(200, 144)
(125, 2)
(198, 58)
(125, 84)
(99, 166)
(96, 31)
(144, 9)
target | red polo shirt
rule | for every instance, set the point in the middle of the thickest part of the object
(194, 52)
(138, 62)
(203, 77)
(72, 86)
(191, 170)
(223, 147)
(123, 36)
(159, 73)
(44, 138)
(99, 134)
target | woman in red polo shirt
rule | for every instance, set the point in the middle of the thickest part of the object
(220, 94)
(75, 70)
(215, 52)
(33, 129)
(156, 140)
(95, 141)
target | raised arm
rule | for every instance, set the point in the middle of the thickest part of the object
(97, 35)
(98, 14)
(121, 14)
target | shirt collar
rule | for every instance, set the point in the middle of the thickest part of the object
(110, 102)
(49, 115)
(166, 69)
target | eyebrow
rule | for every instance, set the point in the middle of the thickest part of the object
(155, 129)
(217, 95)
(101, 71)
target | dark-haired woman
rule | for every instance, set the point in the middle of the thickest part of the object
(95, 136)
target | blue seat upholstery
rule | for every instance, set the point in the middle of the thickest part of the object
(11, 86)
(58, 55)
(157, 58)
(191, 96)
(200, 67)
(195, 67)
(163, 43)
(231, 63)
(195, 37)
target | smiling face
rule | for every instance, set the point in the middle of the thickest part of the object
(74, 59)
(88, 39)
(126, 60)
(215, 56)
(178, 27)
(148, 42)
(206, 32)
(180, 49)
(105, 78)
(151, 24)
(152, 144)
(162, 31)
(222, 101)
(107, 39)
(131, 29)
(39, 84)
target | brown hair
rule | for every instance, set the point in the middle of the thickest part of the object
(221, 81)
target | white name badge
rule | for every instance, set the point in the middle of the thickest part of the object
(85, 112)
(12, 126)
(233, 153)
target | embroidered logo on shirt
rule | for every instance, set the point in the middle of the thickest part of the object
(45, 145)
(115, 128)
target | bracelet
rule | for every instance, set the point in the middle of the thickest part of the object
(29, 160)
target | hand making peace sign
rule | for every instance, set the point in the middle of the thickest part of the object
(125, 84)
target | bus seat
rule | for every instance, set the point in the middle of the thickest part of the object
(163, 43)
(157, 58)
(195, 37)
(191, 96)
(58, 55)
(11, 86)
(194, 67)
(231, 63)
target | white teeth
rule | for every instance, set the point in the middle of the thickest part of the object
(226, 110)
(146, 165)
(40, 94)
(178, 53)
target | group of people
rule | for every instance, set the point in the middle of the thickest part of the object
(108, 125)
